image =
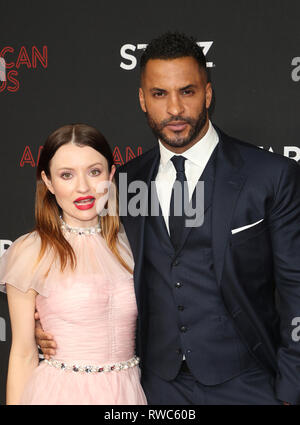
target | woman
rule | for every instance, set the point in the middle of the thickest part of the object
(76, 269)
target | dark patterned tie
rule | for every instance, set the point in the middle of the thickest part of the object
(177, 222)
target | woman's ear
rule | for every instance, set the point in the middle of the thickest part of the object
(112, 172)
(47, 182)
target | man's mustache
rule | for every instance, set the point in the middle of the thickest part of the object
(177, 118)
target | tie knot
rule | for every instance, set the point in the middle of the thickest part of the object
(178, 162)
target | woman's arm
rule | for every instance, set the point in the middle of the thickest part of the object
(23, 358)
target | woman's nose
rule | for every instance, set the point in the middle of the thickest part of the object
(82, 184)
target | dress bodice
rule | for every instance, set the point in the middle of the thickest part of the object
(91, 311)
(93, 319)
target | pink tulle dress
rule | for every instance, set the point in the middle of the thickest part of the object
(92, 314)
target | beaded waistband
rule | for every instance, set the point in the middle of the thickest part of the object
(134, 361)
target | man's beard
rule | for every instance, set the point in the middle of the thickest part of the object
(179, 141)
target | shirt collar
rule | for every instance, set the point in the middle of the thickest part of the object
(198, 153)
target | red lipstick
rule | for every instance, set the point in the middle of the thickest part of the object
(84, 203)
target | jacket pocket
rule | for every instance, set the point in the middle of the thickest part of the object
(251, 232)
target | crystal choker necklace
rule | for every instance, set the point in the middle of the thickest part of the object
(80, 230)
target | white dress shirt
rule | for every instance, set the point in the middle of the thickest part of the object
(196, 159)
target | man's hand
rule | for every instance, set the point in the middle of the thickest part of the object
(43, 339)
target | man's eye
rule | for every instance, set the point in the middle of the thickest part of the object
(95, 172)
(186, 92)
(158, 94)
(66, 176)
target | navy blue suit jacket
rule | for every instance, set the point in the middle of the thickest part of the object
(258, 269)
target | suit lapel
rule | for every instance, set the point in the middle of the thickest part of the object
(229, 181)
(135, 226)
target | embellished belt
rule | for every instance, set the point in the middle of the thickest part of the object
(134, 361)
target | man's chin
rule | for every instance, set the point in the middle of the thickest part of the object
(175, 142)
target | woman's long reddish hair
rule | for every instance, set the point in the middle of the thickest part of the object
(47, 211)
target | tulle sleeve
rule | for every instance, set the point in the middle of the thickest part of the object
(19, 268)
(124, 247)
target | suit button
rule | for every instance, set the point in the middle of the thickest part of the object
(178, 285)
(178, 351)
(183, 328)
(175, 263)
(180, 307)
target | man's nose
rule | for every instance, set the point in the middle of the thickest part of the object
(175, 105)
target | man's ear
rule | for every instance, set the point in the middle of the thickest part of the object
(47, 182)
(142, 100)
(208, 95)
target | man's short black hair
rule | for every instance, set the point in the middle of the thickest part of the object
(173, 45)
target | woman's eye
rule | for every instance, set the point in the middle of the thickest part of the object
(95, 172)
(66, 176)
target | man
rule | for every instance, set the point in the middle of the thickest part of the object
(216, 301)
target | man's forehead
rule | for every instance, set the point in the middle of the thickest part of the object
(180, 71)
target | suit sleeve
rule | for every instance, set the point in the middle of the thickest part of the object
(284, 220)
